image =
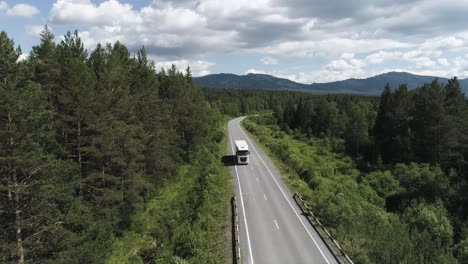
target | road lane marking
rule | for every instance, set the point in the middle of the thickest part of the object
(285, 196)
(256, 179)
(242, 203)
(265, 197)
(276, 224)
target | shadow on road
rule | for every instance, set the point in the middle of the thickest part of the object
(229, 160)
(305, 214)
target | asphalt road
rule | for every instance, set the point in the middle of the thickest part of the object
(272, 227)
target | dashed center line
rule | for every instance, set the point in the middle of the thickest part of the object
(257, 179)
(283, 193)
(265, 197)
(276, 224)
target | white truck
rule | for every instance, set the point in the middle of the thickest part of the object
(242, 152)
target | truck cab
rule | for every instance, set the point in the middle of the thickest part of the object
(242, 152)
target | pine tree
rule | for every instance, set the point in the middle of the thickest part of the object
(383, 129)
(46, 72)
(10, 134)
(153, 113)
(356, 133)
(115, 177)
(401, 125)
(75, 101)
(429, 124)
(188, 75)
(22, 159)
(46, 66)
(454, 106)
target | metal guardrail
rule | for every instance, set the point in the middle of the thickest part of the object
(330, 242)
(236, 241)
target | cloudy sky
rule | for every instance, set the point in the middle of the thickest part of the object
(303, 40)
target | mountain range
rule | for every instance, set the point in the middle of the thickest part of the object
(369, 86)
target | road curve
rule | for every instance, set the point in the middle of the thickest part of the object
(272, 227)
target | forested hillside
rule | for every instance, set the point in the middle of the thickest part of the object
(388, 175)
(369, 86)
(95, 145)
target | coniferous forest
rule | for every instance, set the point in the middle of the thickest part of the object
(93, 150)
(105, 159)
(388, 175)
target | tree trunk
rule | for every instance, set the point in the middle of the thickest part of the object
(80, 159)
(19, 240)
(11, 142)
(13, 190)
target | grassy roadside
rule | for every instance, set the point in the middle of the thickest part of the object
(290, 177)
(330, 183)
(188, 220)
(228, 243)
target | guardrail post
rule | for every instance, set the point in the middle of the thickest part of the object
(329, 236)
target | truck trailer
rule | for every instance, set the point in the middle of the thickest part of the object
(242, 152)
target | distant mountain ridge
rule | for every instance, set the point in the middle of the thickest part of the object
(369, 86)
(249, 81)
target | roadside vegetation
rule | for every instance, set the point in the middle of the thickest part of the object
(388, 176)
(103, 159)
(186, 220)
(350, 208)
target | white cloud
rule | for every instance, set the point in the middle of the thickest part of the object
(22, 10)
(34, 31)
(216, 8)
(3, 5)
(443, 62)
(165, 30)
(383, 56)
(198, 67)
(23, 56)
(446, 43)
(424, 63)
(174, 19)
(341, 39)
(347, 55)
(342, 69)
(255, 71)
(332, 47)
(430, 56)
(269, 61)
(85, 13)
(300, 77)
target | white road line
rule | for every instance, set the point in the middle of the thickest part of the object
(285, 196)
(265, 197)
(276, 224)
(257, 179)
(242, 203)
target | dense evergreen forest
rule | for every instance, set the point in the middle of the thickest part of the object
(103, 159)
(99, 150)
(388, 175)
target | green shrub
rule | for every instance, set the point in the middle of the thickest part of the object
(351, 204)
